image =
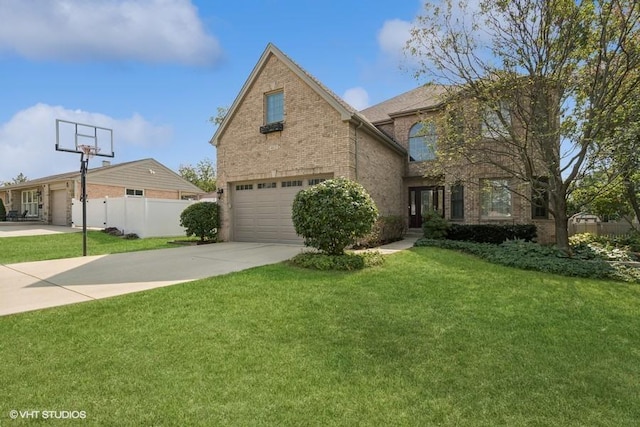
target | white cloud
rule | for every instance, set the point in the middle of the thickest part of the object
(393, 37)
(27, 140)
(357, 97)
(156, 31)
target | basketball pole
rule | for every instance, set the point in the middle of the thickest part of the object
(84, 164)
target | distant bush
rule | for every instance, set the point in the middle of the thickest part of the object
(333, 215)
(491, 233)
(532, 256)
(112, 231)
(345, 262)
(590, 246)
(3, 211)
(201, 219)
(386, 229)
(434, 226)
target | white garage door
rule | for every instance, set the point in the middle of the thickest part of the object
(261, 210)
(59, 207)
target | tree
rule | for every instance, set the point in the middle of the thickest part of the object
(220, 115)
(20, 178)
(203, 175)
(563, 68)
(333, 214)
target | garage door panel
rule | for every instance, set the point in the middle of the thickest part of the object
(264, 214)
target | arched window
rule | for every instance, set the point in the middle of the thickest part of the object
(422, 142)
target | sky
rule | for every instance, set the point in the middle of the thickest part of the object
(155, 71)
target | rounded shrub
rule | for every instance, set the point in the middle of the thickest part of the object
(333, 214)
(434, 226)
(201, 220)
(3, 211)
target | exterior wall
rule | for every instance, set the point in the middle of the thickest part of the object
(314, 140)
(380, 170)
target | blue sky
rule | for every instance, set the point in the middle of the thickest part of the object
(154, 71)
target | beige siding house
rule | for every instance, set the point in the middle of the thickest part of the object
(49, 199)
(286, 131)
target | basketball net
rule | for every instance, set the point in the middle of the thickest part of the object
(89, 150)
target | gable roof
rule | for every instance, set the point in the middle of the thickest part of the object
(105, 174)
(347, 112)
(423, 98)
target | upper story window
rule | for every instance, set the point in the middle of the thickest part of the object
(496, 121)
(422, 142)
(274, 107)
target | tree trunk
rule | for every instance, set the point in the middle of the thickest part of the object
(561, 220)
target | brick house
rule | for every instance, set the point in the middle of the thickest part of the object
(286, 131)
(49, 199)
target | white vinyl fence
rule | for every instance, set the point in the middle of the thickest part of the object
(140, 215)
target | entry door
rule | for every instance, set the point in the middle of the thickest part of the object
(422, 200)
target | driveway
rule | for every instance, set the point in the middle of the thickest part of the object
(20, 229)
(35, 285)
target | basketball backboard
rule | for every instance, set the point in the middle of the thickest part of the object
(75, 137)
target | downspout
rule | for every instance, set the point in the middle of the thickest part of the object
(356, 146)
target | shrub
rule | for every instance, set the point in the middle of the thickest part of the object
(532, 256)
(345, 262)
(386, 229)
(3, 211)
(333, 214)
(201, 220)
(492, 233)
(131, 236)
(112, 231)
(434, 226)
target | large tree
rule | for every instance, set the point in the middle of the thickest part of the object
(563, 69)
(203, 175)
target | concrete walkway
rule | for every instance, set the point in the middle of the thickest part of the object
(42, 284)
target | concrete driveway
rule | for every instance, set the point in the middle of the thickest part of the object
(20, 229)
(35, 285)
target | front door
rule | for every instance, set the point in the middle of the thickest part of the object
(422, 200)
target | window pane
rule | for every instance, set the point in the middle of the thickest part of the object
(275, 107)
(457, 202)
(422, 142)
(495, 198)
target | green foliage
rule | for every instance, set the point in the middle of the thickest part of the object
(201, 220)
(386, 229)
(616, 248)
(532, 256)
(434, 226)
(333, 214)
(491, 233)
(345, 262)
(203, 175)
(3, 211)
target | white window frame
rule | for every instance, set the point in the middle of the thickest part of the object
(496, 200)
(29, 202)
(134, 192)
(492, 126)
(423, 138)
(274, 107)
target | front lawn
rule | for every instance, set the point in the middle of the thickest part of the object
(68, 245)
(432, 337)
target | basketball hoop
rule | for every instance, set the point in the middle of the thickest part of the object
(88, 150)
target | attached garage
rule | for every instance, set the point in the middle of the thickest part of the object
(261, 210)
(59, 207)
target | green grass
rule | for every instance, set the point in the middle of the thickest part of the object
(67, 245)
(432, 337)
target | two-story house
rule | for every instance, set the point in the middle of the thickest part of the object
(286, 131)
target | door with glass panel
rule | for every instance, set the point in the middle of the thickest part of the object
(423, 200)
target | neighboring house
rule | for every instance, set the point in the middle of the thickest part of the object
(286, 131)
(48, 199)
